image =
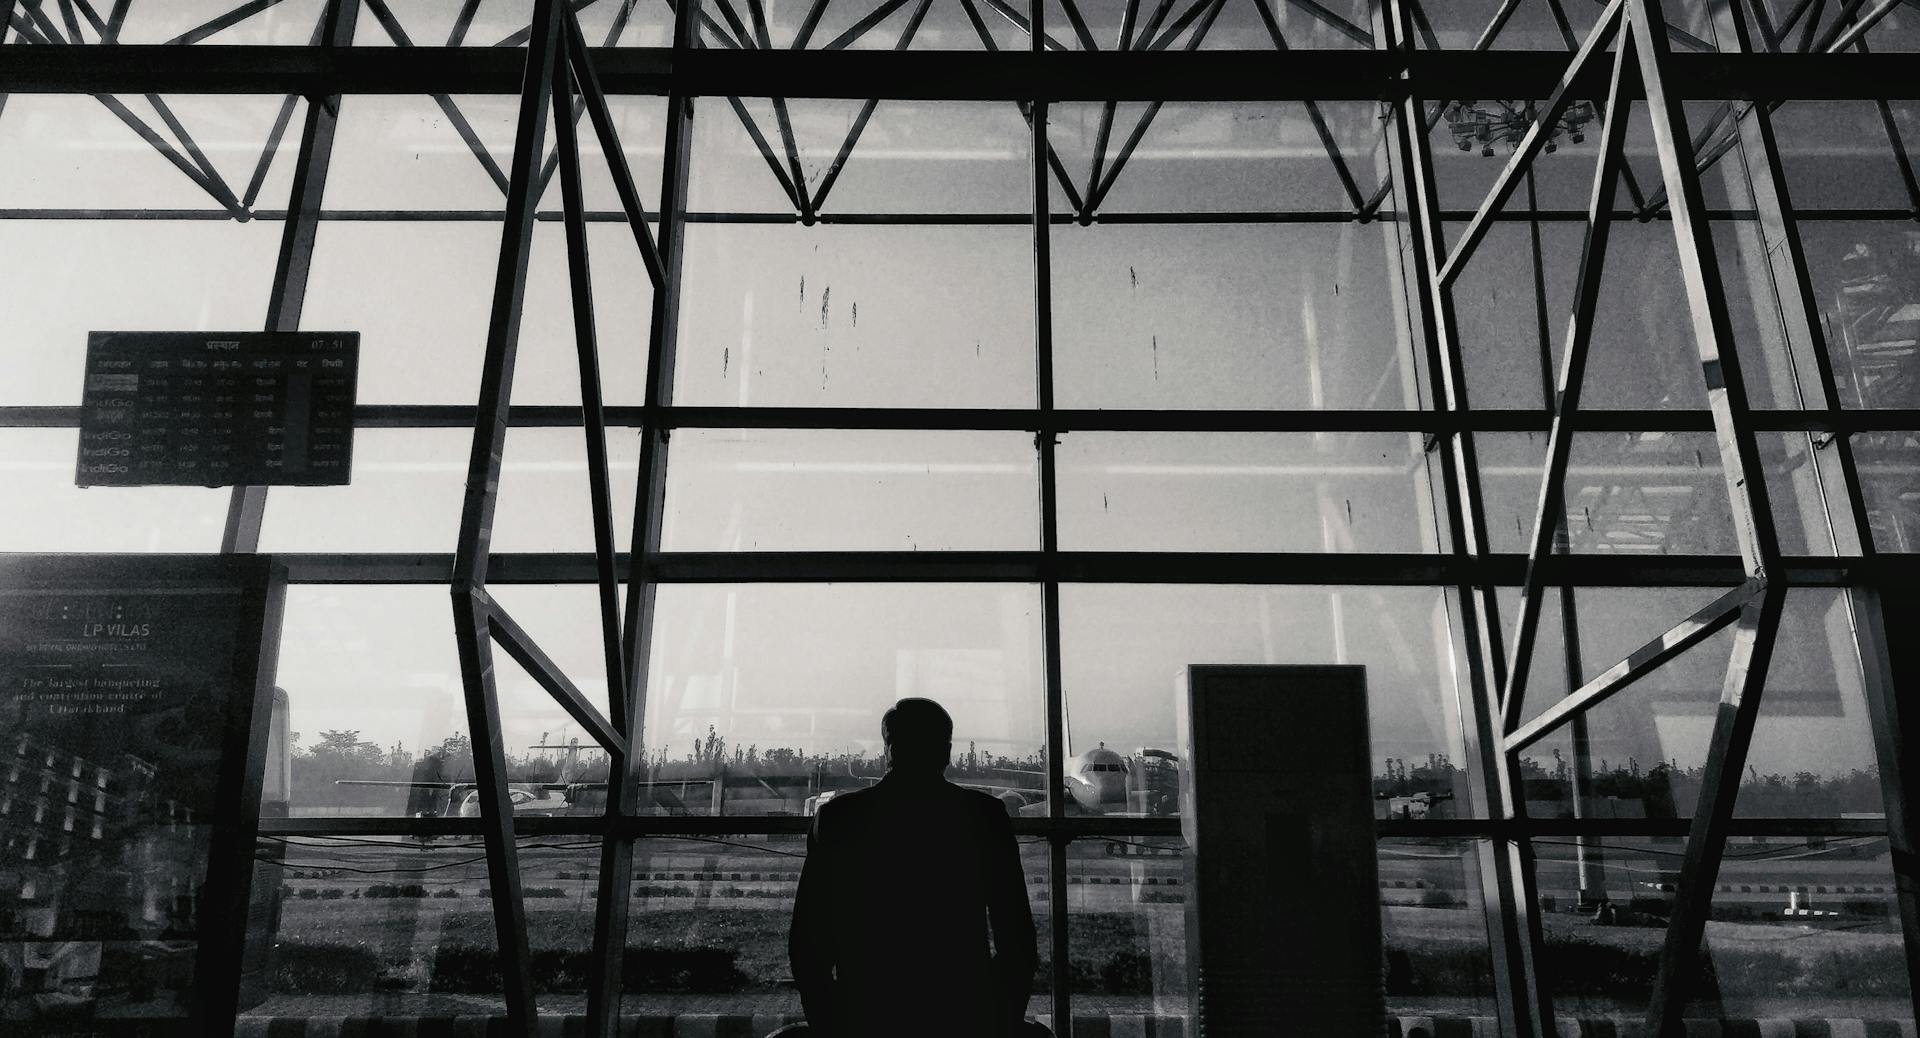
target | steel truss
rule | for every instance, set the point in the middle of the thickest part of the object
(559, 66)
(1497, 729)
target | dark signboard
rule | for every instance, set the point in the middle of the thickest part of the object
(135, 695)
(218, 409)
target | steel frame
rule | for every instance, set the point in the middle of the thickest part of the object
(1752, 67)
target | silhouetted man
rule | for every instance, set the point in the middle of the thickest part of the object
(902, 885)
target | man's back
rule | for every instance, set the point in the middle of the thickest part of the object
(902, 885)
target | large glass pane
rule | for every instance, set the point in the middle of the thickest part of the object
(1836, 155)
(1433, 920)
(862, 316)
(1126, 928)
(1624, 493)
(420, 294)
(42, 509)
(709, 927)
(66, 278)
(763, 695)
(1866, 279)
(377, 711)
(68, 151)
(1890, 480)
(899, 157)
(290, 23)
(1214, 158)
(1801, 929)
(403, 926)
(1125, 650)
(1306, 492)
(1641, 753)
(408, 487)
(1229, 316)
(901, 490)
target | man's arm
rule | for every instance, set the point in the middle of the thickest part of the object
(1015, 955)
(810, 938)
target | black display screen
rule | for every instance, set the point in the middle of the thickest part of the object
(216, 409)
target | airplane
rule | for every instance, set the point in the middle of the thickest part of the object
(1408, 806)
(1103, 782)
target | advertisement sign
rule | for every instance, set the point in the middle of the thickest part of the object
(134, 699)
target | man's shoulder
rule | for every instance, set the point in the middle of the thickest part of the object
(928, 797)
(852, 801)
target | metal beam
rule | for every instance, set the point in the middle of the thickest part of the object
(866, 113)
(1523, 1001)
(581, 61)
(247, 506)
(1549, 513)
(473, 608)
(1545, 127)
(1740, 462)
(1753, 642)
(1704, 623)
(940, 75)
(548, 674)
(1064, 420)
(613, 910)
(1320, 128)
(1046, 449)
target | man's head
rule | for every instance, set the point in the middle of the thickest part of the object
(919, 736)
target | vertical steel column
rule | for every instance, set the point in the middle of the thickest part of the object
(1753, 527)
(609, 943)
(1549, 511)
(613, 912)
(1885, 662)
(1046, 446)
(1506, 872)
(471, 603)
(248, 505)
(1800, 314)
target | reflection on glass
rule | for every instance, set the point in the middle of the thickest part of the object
(1647, 493)
(900, 490)
(1866, 279)
(1127, 927)
(1126, 648)
(404, 925)
(1641, 753)
(1305, 492)
(1433, 921)
(1890, 482)
(1800, 927)
(763, 698)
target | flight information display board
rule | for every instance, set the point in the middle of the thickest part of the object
(213, 409)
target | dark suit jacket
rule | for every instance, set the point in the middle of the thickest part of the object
(903, 885)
